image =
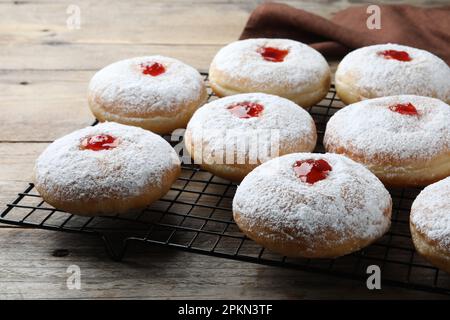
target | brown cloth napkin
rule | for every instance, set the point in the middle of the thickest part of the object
(424, 28)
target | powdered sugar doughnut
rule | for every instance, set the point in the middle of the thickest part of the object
(286, 68)
(231, 136)
(106, 169)
(391, 69)
(312, 205)
(155, 93)
(404, 140)
(430, 224)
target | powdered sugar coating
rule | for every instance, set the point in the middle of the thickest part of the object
(376, 76)
(430, 213)
(123, 89)
(71, 173)
(370, 128)
(302, 67)
(350, 201)
(216, 127)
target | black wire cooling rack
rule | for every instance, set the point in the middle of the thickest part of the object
(196, 216)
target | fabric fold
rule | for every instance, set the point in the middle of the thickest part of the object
(423, 28)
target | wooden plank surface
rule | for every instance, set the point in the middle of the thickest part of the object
(44, 71)
(31, 271)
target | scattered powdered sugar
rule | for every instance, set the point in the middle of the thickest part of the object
(377, 132)
(124, 89)
(140, 159)
(214, 126)
(430, 212)
(302, 67)
(350, 201)
(376, 76)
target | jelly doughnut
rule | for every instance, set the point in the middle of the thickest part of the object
(391, 69)
(404, 140)
(106, 169)
(155, 93)
(282, 67)
(430, 224)
(312, 205)
(231, 136)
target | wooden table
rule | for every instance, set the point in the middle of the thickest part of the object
(44, 71)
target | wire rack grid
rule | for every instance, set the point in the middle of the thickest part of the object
(196, 216)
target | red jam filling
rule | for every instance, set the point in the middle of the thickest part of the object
(394, 54)
(154, 69)
(405, 108)
(99, 142)
(246, 110)
(311, 171)
(273, 54)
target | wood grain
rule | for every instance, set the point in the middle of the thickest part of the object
(150, 22)
(16, 166)
(92, 57)
(44, 71)
(42, 106)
